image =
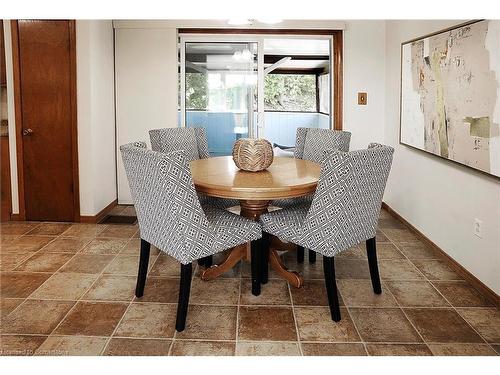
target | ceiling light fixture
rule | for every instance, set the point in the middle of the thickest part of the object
(270, 20)
(239, 21)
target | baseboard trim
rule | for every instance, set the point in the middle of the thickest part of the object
(16, 217)
(476, 283)
(101, 215)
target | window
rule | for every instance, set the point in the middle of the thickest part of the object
(290, 92)
(324, 93)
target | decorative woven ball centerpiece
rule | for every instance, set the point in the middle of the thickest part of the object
(252, 154)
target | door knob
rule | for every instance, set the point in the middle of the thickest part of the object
(27, 131)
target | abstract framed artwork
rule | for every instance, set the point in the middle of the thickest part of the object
(450, 94)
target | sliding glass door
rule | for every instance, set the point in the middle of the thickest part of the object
(219, 90)
(254, 86)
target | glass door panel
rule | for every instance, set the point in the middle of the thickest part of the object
(220, 87)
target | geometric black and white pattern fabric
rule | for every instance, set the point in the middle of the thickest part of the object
(345, 208)
(310, 144)
(193, 142)
(169, 213)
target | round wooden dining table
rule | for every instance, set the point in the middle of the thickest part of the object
(285, 178)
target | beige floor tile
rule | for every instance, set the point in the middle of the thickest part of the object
(17, 345)
(400, 235)
(202, 348)
(275, 292)
(485, 321)
(416, 294)
(398, 349)
(149, 320)
(133, 247)
(417, 250)
(221, 291)
(72, 345)
(87, 263)
(16, 227)
(49, 229)
(359, 293)
(266, 324)
(312, 293)
(161, 290)
(442, 326)
(26, 244)
(316, 324)
(462, 349)
(210, 323)
(7, 305)
(383, 325)
(36, 317)
(436, 270)
(118, 231)
(330, 349)
(20, 284)
(398, 270)
(350, 269)
(65, 286)
(10, 261)
(44, 262)
(252, 348)
(138, 347)
(66, 245)
(496, 347)
(390, 223)
(84, 230)
(166, 266)
(112, 288)
(104, 246)
(128, 265)
(462, 294)
(92, 319)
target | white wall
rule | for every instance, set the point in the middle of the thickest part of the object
(96, 115)
(364, 71)
(146, 88)
(438, 197)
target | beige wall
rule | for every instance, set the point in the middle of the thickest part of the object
(440, 198)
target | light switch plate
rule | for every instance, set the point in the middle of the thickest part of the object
(362, 98)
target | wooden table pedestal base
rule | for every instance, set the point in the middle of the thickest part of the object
(252, 209)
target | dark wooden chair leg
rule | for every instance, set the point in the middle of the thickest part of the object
(331, 287)
(312, 256)
(256, 265)
(143, 268)
(206, 261)
(264, 275)
(300, 254)
(184, 289)
(371, 251)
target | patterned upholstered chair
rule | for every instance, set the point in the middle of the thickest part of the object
(344, 212)
(171, 218)
(310, 143)
(194, 143)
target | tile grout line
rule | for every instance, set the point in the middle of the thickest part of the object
(295, 320)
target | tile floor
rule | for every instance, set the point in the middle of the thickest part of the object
(68, 289)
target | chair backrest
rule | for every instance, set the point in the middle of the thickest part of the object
(192, 141)
(168, 210)
(346, 206)
(311, 142)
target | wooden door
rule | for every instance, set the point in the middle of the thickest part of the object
(48, 112)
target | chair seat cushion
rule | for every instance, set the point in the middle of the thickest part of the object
(287, 223)
(231, 229)
(290, 202)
